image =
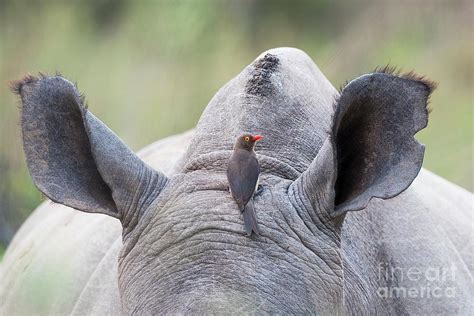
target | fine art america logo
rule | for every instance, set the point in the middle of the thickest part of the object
(416, 282)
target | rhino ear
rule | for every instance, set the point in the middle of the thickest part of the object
(74, 159)
(376, 118)
(372, 147)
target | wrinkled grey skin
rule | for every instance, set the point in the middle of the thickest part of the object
(324, 245)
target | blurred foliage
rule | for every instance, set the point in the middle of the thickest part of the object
(148, 68)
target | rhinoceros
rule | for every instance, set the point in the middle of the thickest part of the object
(349, 221)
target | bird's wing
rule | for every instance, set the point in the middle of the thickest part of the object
(243, 174)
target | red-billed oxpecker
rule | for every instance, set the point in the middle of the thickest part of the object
(242, 173)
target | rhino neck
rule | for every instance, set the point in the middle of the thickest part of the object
(281, 95)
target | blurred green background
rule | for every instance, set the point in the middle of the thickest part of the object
(148, 68)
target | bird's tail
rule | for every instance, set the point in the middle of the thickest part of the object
(250, 219)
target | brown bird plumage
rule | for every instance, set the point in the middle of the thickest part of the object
(242, 173)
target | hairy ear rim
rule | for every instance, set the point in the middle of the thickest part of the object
(16, 86)
(397, 72)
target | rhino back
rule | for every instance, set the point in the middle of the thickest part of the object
(62, 261)
(412, 254)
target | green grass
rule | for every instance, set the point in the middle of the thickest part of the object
(2, 252)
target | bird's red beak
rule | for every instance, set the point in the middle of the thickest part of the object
(257, 137)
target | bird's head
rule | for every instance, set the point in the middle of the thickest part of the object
(247, 141)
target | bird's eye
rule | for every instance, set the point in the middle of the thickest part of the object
(247, 138)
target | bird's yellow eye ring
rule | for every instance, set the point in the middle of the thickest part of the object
(247, 138)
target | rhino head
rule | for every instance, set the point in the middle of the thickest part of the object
(324, 154)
